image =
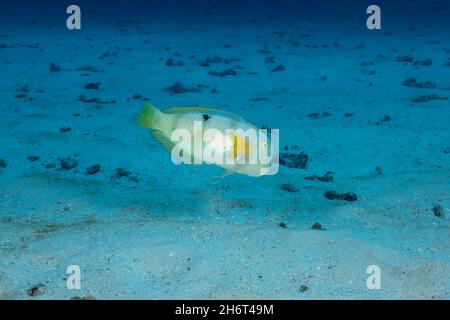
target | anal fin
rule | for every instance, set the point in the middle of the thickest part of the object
(163, 140)
(226, 173)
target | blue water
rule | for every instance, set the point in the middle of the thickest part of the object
(363, 117)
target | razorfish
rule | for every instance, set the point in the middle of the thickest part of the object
(196, 135)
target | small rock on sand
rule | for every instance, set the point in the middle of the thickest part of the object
(68, 163)
(178, 88)
(279, 68)
(64, 129)
(122, 173)
(348, 196)
(327, 177)
(3, 163)
(438, 210)
(303, 288)
(93, 169)
(291, 160)
(33, 158)
(37, 290)
(88, 297)
(54, 67)
(316, 226)
(289, 187)
(426, 98)
(92, 86)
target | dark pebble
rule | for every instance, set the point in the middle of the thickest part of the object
(120, 172)
(348, 196)
(37, 290)
(85, 99)
(292, 160)
(405, 59)
(88, 297)
(279, 68)
(3, 163)
(178, 88)
(87, 68)
(93, 169)
(327, 177)
(92, 86)
(426, 62)
(289, 187)
(331, 195)
(412, 82)
(426, 98)
(283, 225)
(20, 95)
(303, 288)
(171, 62)
(133, 179)
(68, 163)
(270, 59)
(224, 73)
(33, 158)
(316, 226)
(54, 67)
(64, 129)
(438, 210)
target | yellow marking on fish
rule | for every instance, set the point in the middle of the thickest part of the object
(241, 147)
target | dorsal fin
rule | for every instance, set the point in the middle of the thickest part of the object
(204, 110)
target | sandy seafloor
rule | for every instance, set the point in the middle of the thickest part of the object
(184, 232)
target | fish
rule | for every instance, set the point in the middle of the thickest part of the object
(197, 135)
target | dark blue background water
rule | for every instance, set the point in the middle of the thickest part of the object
(394, 13)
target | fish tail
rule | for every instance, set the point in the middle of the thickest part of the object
(150, 117)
